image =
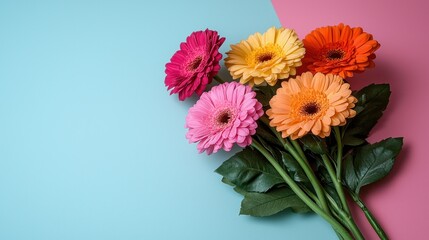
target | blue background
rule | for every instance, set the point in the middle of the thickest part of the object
(91, 144)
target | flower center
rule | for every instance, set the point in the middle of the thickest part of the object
(310, 108)
(265, 57)
(194, 64)
(308, 104)
(264, 54)
(223, 117)
(335, 54)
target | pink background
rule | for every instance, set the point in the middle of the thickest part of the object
(400, 200)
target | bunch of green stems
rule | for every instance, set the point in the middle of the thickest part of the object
(336, 213)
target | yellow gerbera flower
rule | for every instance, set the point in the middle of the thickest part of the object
(268, 57)
(311, 104)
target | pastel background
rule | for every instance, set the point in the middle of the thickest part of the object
(93, 147)
(400, 201)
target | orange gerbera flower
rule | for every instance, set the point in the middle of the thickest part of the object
(339, 50)
(311, 104)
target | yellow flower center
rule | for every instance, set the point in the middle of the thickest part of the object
(309, 104)
(264, 54)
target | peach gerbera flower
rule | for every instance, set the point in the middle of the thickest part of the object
(339, 50)
(266, 57)
(311, 104)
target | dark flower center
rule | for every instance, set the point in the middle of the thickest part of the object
(224, 118)
(310, 108)
(195, 63)
(265, 57)
(335, 54)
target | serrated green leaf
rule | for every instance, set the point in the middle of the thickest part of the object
(250, 171)
(372, 101)
(314, 144)
(293, 167)
(370, 163)
(272, 202)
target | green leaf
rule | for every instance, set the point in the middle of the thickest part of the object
(249, 171)
(372, 101)
(349, 174)
(227, 182)
(263, 132)
(314, 144)
(272, 202)
(327, 182)
(301, 209)
(323, 173)
(272, 148)
(237, 189)
(330, 189)
(370, 163)
(351, 140)
(240, 191)
(265, 93)
(293, 167)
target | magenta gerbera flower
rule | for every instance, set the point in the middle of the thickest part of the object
(225, 115)
(196, 63)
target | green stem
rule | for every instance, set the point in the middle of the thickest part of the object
(298, 149)
(346, 219)
(302, 161)
(339, 236)
(339, 188)
(310, 194)
(218, 79)
(310, 174)
(300, 193)
(338, 213)
(339, 151)
(337, 183)
(308, 171)
(375, 225)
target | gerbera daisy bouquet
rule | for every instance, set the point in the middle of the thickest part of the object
(289, 105)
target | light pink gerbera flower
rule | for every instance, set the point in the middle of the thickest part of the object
(225, 115)
(196, 63)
